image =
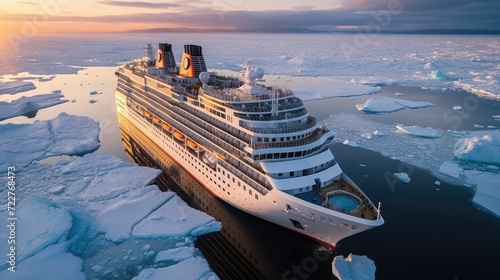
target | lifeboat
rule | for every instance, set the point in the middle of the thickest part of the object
(179, 136)
(193, 145)
(167, 127)
(156, 120)
(148, 114)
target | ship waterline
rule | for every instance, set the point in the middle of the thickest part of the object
(252, 146)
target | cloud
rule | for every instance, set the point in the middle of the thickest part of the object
(140, 4)
(421, 14)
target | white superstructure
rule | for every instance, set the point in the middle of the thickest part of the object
(254, 147)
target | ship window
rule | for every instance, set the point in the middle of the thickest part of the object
(259, 139)
(269, 156)
(300, 189)
(239, 184)
(283, 155)
(282, 139)
(290, 154)
(274, 139)
(296, 224)
(250, 192)
(297, 154)
(223, 172)
(288, 138)
(280, 174)
(256, 197)
(244, 187)
(276, 155)
(266, 139)
(292, 173)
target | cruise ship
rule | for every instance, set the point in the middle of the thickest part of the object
(250, 145)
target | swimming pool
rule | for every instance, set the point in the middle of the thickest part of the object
(344, 202)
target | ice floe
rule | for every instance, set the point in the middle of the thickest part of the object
(28, 104)
(484, 181)
(77, 212)
(418, 131)
(382, 104)
(16, 87)
(64, 135)
(353, 267)
(436, 155)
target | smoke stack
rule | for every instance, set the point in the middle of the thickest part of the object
(165, 57)
(192, 63)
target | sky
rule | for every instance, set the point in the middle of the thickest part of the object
(27, 17)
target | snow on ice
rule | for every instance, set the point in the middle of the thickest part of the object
(353, 267)
(22, 144)
(29, 104)
(78, 214)
(436, 155)
(16, 87)
(382, 104)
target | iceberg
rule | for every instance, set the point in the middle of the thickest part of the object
(353, 267)
(480, 147)
(382, 105)
(438, 75)
(16, 87)
(418, 131)
(403, 177)
(29, 104)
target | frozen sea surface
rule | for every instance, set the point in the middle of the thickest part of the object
(447, 61)
(79, 214)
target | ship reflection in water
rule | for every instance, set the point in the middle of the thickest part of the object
(247, 247)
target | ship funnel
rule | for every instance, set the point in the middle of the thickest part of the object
(165, 57)
(192, 63)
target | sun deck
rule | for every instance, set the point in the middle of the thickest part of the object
(323, 197)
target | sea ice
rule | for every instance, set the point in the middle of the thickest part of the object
(353, 267)
(28, 104)
(26, 143)
(403, 177)
(419, 131)
(67, 202)
(486, 184)
(479, 146)
(175, 254)
(52, 262)
(382, 104)
(177, 219)
(193, 268)
(16, 87)
(433, 154)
